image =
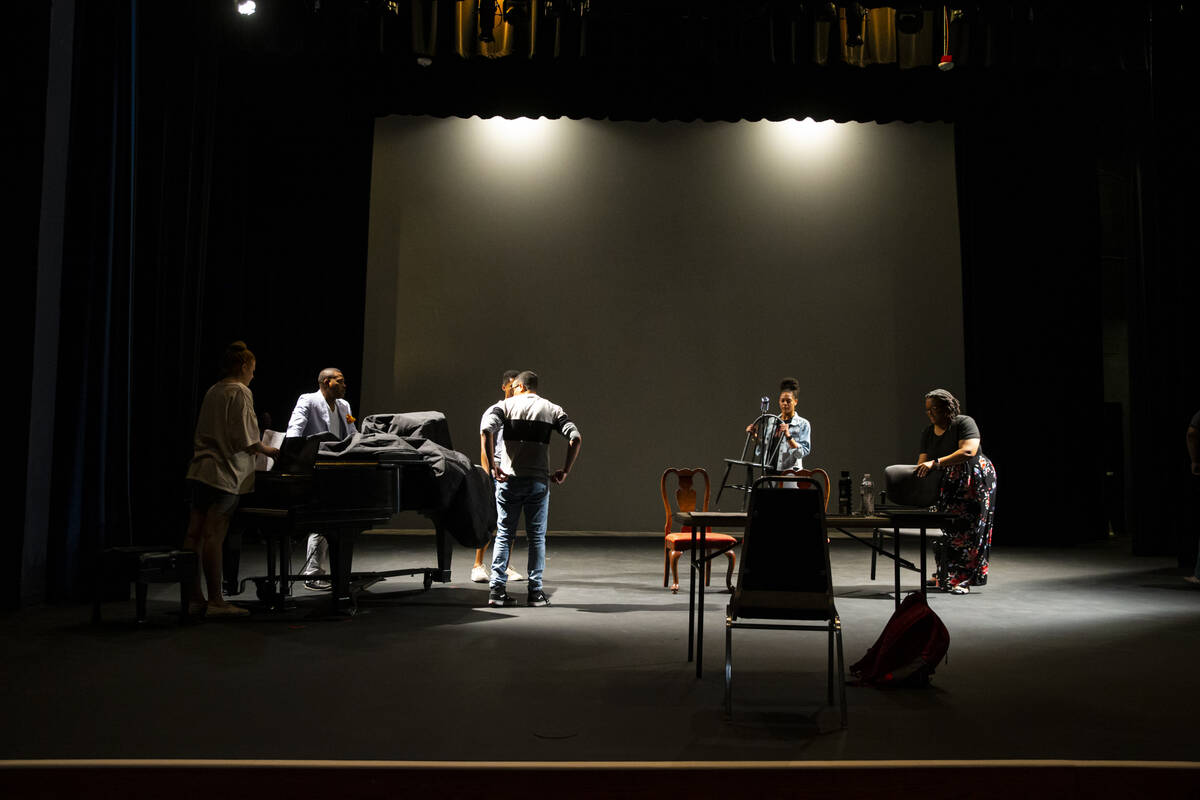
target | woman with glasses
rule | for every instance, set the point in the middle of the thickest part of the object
(967, 489)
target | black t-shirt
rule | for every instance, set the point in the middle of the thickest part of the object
(934, 446)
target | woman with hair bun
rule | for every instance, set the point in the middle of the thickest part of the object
(967, 490)
(221, 470)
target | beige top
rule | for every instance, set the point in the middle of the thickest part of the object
(227, 426)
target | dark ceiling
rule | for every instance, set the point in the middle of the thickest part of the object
(748, 59)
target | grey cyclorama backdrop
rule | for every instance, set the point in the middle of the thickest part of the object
(661, 278)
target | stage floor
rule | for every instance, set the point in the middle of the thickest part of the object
(1081, 653)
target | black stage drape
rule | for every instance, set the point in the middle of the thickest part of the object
(207, 201)
(1028, 215)
(217, 188)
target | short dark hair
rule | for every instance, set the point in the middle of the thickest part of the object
(942, 397)
(508, 375)
(329, 373)
(528, 379)
(236, 355)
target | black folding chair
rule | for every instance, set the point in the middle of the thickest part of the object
(784, 574)
(905, 488)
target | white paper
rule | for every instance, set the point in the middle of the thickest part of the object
(270, 439)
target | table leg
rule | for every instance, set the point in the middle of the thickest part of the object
(924, 589)
(700, 603)
(692, 598)
(896, 561)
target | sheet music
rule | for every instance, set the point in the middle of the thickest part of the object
(271, 439)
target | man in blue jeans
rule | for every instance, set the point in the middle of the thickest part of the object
(523, 477)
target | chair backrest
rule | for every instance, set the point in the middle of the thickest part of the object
(809, 473)
(905, 488)
(785, 548)
(685, 492)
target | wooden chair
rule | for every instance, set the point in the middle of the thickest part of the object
(785, 576)
(674, 544)
(810, 473)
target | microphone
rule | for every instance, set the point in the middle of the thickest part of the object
(764, 404)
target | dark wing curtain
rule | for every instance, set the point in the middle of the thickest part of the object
(1028, 217)
(208, 198)
(139, 167)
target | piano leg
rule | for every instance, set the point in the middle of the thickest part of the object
(445, 552)
(341, 554)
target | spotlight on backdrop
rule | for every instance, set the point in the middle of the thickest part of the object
(246, 7)
(511, 146)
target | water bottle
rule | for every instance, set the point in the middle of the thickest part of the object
(868, 495)
(844, 493)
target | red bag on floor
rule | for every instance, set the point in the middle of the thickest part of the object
(913, 643)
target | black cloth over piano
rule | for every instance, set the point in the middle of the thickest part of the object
(341, 488)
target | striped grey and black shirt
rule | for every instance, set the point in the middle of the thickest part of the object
(526, 421)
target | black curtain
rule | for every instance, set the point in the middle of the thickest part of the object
(210, 198)
(1028, 215)
(1163, 292)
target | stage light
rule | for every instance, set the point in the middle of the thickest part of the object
(246, 7)
(516, 11)
(910, 20)
(487, 20)
(855, 15)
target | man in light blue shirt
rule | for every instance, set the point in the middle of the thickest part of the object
(325, 410)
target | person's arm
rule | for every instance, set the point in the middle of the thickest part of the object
(967, 448)
(258, 448)
(572, 454)
(491, 423)
(802, 439)
(299, 419)
(487, 454)
(1193, 446)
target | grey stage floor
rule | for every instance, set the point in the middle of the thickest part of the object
(1086, 653)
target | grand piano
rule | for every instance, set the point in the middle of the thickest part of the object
(401, 462)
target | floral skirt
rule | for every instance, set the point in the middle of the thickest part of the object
(968, 491)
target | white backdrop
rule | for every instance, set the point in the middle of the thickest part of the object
(661, 277)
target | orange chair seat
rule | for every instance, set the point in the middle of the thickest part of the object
(683, 541)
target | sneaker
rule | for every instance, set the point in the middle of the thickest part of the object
(513, 575)
(480, 574)
(498, 598)
(538, 598)
(318, 585)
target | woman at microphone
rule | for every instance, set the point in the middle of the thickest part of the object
(789, 442)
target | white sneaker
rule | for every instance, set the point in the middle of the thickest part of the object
(480, 575)
(513, 575)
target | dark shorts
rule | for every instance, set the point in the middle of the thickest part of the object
(207, 498)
